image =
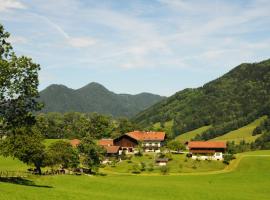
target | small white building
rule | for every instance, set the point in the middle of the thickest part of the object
(162, 161)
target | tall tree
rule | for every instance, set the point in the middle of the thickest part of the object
(91, 153)
(27, 146)
(18, 87)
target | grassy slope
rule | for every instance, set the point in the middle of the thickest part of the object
(244, 133)
(48, 142)
(179, 164)
(235, 185)
(191, 134)
(10, 164)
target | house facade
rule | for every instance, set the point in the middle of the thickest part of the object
(207, 150)
(126, 143)
(150, 141)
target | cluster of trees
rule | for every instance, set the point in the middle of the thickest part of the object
(262, 142)
(27, 146)
(21, 132)
(223, 128)
(78, 125)
(227, 103)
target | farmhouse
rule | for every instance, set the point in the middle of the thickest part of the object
(207, 150)
(126, 143)
(150, 141)
(108, 145)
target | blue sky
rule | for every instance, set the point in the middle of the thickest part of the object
(133, 46)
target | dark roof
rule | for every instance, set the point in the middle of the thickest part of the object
(162, 160)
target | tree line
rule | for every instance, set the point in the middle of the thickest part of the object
(79, 125)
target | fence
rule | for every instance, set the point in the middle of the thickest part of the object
(13, 174)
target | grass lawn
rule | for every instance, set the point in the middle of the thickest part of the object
(249, 180)
(10, 164)
(48, 142)
(244, 133)
(178, 164)
(191, 134)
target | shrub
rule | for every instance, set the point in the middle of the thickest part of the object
(228, 158)
(136, 169)
(143, 165)
(164, 170)
(150, 167)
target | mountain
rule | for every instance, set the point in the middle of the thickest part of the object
(94, 97)
(227, 103)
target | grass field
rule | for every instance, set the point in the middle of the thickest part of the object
(191, 134)
(244, 133)
(178, 164)
(48, 142)
(248, 179)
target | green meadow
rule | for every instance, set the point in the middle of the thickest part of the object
(247, 177)
(244, 133)
(191, 134)
(178, 164)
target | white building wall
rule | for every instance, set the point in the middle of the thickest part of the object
(216, 156)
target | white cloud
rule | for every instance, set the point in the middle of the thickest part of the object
(17, 40)
(81, 41)
(6, 5)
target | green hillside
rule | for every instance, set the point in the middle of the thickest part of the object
(95, 98)
(244, 133)
(234, 183)
(191, 134)
(228, 103)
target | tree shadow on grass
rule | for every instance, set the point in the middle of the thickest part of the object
(22, 181)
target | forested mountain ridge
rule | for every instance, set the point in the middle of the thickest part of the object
(94, 97)
(227, 103)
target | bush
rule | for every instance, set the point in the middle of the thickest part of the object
(257, 131)
(136, 169)
(228, 158)
(164, 170)
(143, 165)
(150, 167)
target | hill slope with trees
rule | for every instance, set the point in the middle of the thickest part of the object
(95, 98)
(227, 103)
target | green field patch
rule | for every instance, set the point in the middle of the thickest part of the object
(179, 164)
(244, 133)
(191, 134)
(48, 142)
(249, 180)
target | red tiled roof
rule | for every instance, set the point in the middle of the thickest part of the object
(105, 142)
(144, 136)
(112, 149)
(206, 144)
(75, 142)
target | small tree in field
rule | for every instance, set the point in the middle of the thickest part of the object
(91, 153)
(164, 170)
(175, 145)
(62, 153)
(26, 146)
